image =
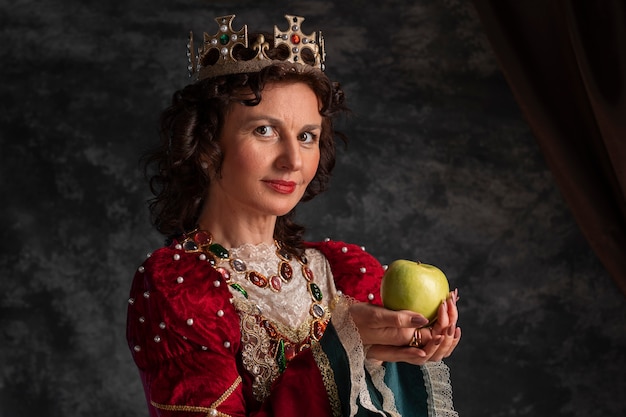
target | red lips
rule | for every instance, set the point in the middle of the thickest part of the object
(280, 186)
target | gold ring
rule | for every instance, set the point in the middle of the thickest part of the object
(416, 340)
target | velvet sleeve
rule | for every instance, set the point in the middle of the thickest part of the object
(184, 334)
(357, 274)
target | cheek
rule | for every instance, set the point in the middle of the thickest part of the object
(244, 162)
(312, 166)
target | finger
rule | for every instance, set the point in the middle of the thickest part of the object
(380, 317)
(455, 342)
(378, 325)
(427, 334)
(453, 312)
(400, 319)
(439, 350)
(407, 354)
(443, 320)
(443, 349)
(447, 345)
(432, 345)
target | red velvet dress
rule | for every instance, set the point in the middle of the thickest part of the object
(185, 337)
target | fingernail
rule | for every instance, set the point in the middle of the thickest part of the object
(438, 340)
(451, 331)
(419, 321)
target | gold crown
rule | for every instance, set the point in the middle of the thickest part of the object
(216, 55)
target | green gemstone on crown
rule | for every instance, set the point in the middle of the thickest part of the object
(224, 39)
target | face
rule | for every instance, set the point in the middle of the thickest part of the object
(271, 152)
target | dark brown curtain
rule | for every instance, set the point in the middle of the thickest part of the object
(565, 62)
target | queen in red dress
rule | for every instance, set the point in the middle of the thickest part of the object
(236, 315)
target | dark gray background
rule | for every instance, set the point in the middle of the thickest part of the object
(440, 167)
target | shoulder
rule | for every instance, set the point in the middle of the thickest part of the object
(356, 272)
(171, 272)
(169, 267)
(178, 299)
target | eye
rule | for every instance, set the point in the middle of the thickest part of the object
(307, 137)
(265, 131)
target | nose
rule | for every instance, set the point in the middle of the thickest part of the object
(290, 157)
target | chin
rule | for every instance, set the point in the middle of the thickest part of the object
(284, 212)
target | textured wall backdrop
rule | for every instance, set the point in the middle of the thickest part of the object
(440, 167)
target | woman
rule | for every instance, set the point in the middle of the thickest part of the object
(237, 315)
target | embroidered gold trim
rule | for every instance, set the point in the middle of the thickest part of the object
(259, 349)
(256, 345)
(293, 334)
(211, 411)
(328, 376)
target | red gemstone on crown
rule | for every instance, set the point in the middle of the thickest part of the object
(295, 39)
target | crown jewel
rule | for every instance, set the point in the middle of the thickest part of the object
(215, 57)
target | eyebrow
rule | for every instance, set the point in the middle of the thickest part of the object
(278, 122)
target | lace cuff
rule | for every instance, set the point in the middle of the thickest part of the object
(439, 388)
(351, 341)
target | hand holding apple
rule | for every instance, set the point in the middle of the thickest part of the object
(414, 286)
(389, 333)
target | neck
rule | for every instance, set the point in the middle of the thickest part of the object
(232, 230)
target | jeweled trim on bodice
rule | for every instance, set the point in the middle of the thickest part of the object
(277, 320)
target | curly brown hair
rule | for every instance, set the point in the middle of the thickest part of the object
(190, 131)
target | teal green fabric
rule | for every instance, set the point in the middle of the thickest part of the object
(405, 380)
(377, 399)
(407, 383)
(338, 359)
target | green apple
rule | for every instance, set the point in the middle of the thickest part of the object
(414, 286)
